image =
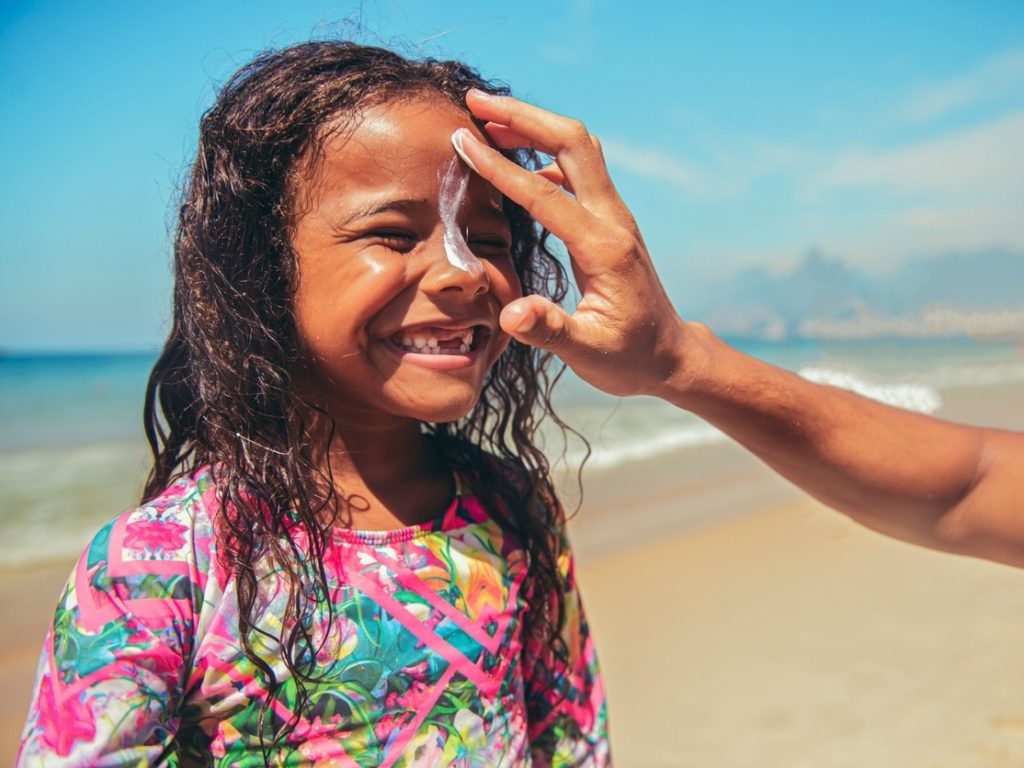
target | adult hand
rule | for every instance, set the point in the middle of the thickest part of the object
(624, 336)
(938, 484)
(942, 485)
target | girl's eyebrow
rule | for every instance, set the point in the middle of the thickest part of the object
(410, 206)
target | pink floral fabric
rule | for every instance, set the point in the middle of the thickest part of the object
(423, 664)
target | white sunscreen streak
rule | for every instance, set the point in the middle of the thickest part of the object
(452, 193)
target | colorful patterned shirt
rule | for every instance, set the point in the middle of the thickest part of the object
(424, 663)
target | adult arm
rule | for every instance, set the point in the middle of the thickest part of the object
(947, 486)
(942, 485)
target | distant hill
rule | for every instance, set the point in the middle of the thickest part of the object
(977, 294)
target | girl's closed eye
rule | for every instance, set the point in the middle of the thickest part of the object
(490, 245)
(402, 240)
(396, 239)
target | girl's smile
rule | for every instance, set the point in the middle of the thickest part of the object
(389, 322)
(442, 348)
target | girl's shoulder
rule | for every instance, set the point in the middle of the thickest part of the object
(164, 539)
(118, 652)
(182, 513)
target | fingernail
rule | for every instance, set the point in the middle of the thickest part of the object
(459, 138)
(477, 93)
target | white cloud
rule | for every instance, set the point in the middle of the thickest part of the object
(943, 227)
(983, 162)
(961, 191)
(692, 180)
(997, 77)
(872, 205)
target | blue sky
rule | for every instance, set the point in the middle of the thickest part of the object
(739, 133)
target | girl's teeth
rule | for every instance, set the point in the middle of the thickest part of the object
(429, 345)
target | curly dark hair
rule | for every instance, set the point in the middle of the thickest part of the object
(220, 394)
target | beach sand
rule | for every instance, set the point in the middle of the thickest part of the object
(741, 625)
(27, 597)
(795, 638)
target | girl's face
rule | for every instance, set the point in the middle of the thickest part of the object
(390, 322)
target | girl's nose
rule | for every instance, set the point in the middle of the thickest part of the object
(454, 267)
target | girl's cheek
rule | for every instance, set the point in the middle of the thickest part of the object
(505, 282)
(499, 348)
(376, 264)
(373, 278)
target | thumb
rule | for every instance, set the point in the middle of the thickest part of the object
(538, 322)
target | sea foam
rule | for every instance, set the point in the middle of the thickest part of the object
(909, 396)
(639, 434)
(639, 448)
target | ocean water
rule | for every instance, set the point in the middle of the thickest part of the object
(73, 455)
(72, 449)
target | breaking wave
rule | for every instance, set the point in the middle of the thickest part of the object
(909, 396)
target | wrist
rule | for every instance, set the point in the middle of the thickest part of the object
(689, 353)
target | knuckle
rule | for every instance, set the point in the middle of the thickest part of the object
(576, 134)
(555, 334)
(544, 193)
(619, 240)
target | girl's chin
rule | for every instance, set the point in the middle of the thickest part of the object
(453, 410)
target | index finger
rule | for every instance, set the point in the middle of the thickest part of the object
(544, 200)
(565, 139)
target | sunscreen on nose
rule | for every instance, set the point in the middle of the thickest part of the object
(450, 196)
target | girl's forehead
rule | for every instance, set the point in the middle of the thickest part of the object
(403, 145)
(403, 135)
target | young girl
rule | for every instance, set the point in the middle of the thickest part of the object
(349, 550)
